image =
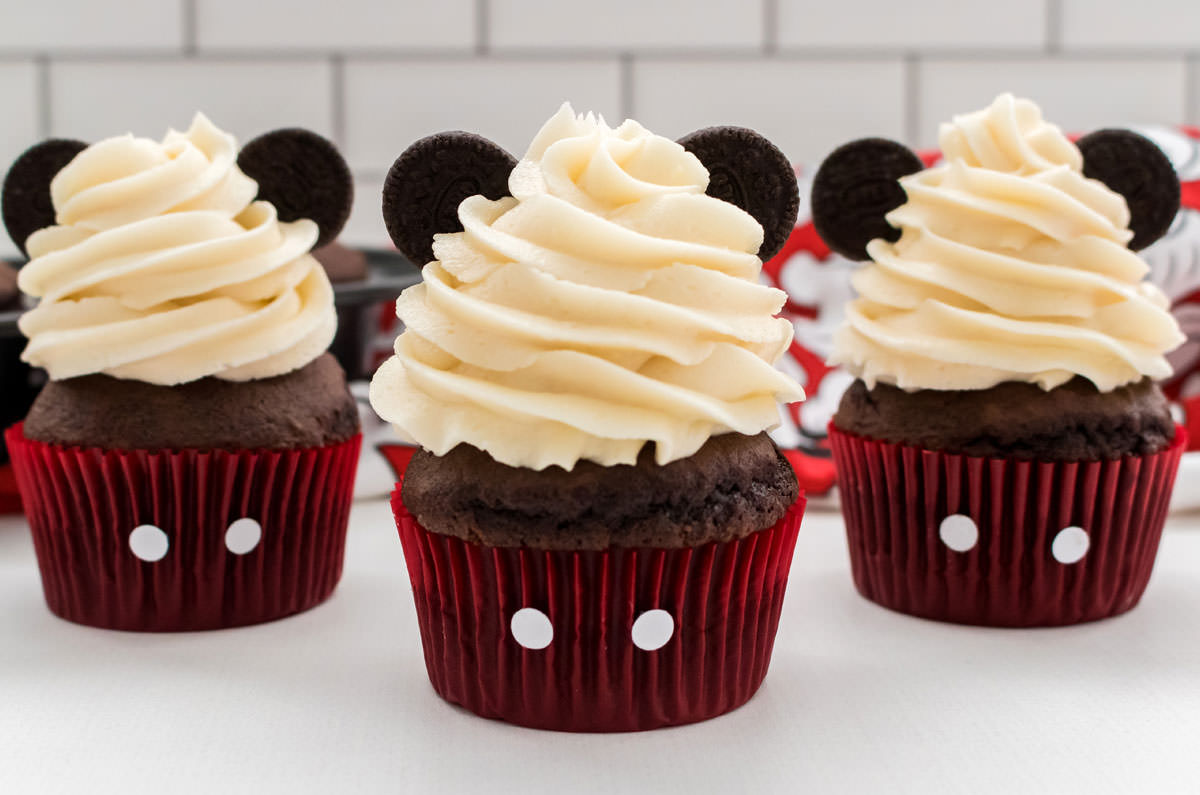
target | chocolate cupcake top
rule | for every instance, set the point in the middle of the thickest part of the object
(159, 265)
(1010, 264)
(606, 303)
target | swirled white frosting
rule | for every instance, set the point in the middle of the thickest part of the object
(162, 268)
(607, 303)
(1011, 266)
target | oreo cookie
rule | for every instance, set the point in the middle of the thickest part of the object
(303, 175)
(431, 178)
(855, 187)
(25, 202)
(1133, 166)
(747, 170)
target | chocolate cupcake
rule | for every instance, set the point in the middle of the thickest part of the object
(183, 324)
(597, 529)
(1005, 442)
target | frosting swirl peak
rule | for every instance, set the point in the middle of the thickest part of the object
(607, 303)
(1011, 266)
(162, 268)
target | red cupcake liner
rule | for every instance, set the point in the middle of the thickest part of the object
(83, 504)
(724, 600)
(10, 497)
(895, 499)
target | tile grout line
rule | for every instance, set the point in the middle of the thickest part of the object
(912, 94)
(189, 27)
(1191, 113)
(337, 99)
(483, 27)
(770, 26)
(408, 55)
(45, 120)
(1053, 26)
(626, 90)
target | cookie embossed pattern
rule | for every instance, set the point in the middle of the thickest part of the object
(817, 281)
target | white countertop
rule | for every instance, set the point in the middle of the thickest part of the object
(858, 699)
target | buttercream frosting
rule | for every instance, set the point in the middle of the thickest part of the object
(1011, 266)
(607, 303)
(163, 268)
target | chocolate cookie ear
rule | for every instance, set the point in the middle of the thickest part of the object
(749, 171)
(1133, 166)
(431, 178)
(25, 202)
(856, 186)
(303, 175)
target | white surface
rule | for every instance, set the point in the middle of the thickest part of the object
(1187, 496)
(858, 699)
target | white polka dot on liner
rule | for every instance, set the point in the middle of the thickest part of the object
(653, 629)
(1070, 545)
(959, 532)
(531, 628)
(243, 536)
(149, 543)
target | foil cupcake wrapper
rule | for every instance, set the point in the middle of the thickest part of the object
(1000, 542)
(183, 540)
(723, 601)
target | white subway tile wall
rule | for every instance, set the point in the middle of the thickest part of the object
(86, 25)
(89, 100)
(623, 25)
(329, 26)
(1130, 24)
(1077, 94)
(389, 105)
(801, 105)
(19, 125)
(912, 24)
(376, 74)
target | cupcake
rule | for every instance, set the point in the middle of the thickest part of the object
(189, 464)
(1005, 456)
(597, 528)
